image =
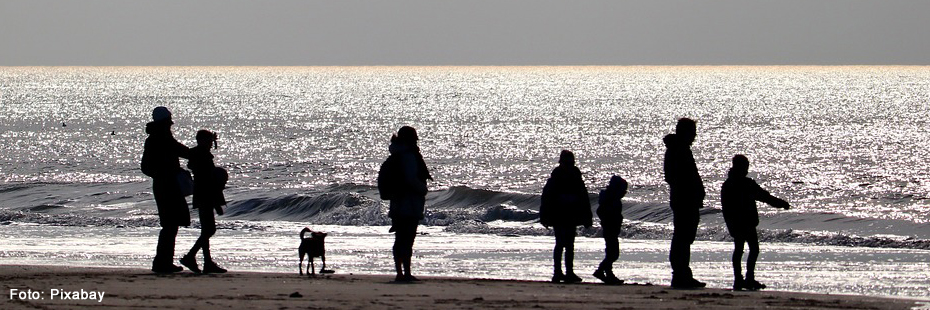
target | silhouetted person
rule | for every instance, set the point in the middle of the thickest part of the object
(409, 198)
(161, 161)
(609, 210)
(209, 182)
(686, 198)
(738, 198)
(565, 206)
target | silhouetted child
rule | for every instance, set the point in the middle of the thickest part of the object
(738, 198)
(609, 210)
(209, 182)
(565, 206)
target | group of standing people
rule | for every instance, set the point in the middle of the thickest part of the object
(161, 161)
(565, 206)
(565, 203)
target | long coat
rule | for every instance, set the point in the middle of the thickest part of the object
(409, 202)
(565, 200)
(161, 160)
(686, 188)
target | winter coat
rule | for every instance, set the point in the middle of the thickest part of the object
(409, 201)
(738, 197)
(161, 158)
(208, 190)
(565, 200)
(610, 208)
(685, 185)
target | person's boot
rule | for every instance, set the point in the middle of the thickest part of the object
(753, 285)
(162, 267)
(612, 279)
(687, 283)
(558, 277)
(600, 275)
(211, 267)
(571, 278)
(190, 262)
(739, 284)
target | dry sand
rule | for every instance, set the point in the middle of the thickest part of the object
(138, 288)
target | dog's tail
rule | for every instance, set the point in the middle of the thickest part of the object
(302, 232)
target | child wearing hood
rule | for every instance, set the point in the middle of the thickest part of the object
(738, 199)
(609, 210)
(565, 206)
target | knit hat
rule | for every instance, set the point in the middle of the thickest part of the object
(566, 157)
(161, 113)
(407, 133)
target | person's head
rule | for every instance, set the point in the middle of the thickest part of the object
(205, 138)
(567, 158)
(740, 165)
(618, 183)
(686, 129)
(407, 134)
(161, 114)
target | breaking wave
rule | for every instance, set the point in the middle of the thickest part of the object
(474, 211)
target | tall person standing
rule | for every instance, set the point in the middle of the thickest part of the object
(161, 161)
(686, 198)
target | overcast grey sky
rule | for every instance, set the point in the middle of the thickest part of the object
(464, 32)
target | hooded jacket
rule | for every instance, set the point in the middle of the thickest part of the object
(161, 160)
(738, 197)
(565, 200)
(681, 173)
(610, 207)
(410, 200)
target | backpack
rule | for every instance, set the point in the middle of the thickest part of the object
(147, 166)
(388, 176)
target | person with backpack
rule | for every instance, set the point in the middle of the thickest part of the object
(209, 181)
(565, 205)
(738, 198)
(161, 161)
(402, 180)
(609, 210)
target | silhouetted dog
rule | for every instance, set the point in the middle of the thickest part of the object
(312, 247)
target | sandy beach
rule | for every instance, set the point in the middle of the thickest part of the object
(60, 287)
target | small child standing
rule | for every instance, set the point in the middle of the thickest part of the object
(738, 199)
(209, 182)
(609, 210)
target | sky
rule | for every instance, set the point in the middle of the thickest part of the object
(463, 32)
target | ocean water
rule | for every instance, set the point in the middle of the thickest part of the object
(847, 146)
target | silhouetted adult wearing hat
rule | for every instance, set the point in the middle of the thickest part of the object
(161, 161)
(408, 199)
(686, 198)
(565, 206)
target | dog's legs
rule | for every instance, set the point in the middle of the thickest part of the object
(312, 267)
(323, 258)
(301, 264)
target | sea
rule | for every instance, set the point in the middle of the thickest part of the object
(848, 147)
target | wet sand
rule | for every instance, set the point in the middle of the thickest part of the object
(138, 288)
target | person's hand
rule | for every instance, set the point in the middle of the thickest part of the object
(781, 204)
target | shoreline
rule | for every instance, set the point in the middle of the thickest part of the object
(131, 287)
